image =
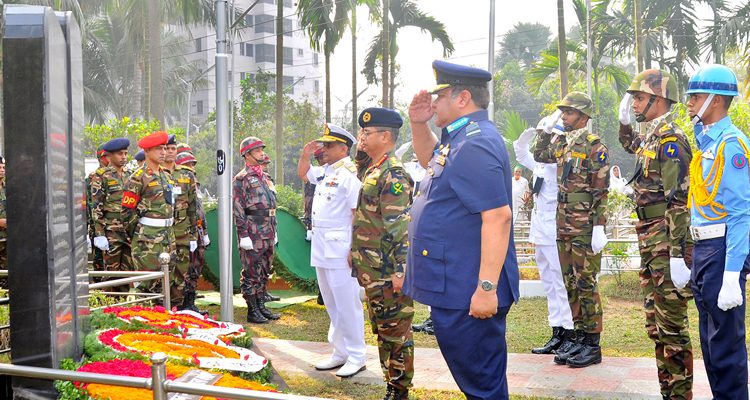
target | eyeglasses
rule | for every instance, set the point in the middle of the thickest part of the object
(368, 133)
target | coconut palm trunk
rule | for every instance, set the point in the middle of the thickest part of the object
(562, 49)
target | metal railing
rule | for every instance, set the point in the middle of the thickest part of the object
(158, 383)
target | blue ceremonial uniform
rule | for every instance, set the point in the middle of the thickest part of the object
(469, 173)
(722, 333)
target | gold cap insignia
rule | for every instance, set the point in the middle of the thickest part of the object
(366, 117)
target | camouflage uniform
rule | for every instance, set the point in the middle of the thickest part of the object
(106, 215)
(149, 194)
(583, 181)
(254, 212)
(94, 178)
(198, 257)
(379, 250)
(185, 220)
(309, 194)
(661, 188)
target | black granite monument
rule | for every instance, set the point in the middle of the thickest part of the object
(43, 115)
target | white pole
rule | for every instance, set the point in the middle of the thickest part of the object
(491, 61)
(222, 158)
(187, 130)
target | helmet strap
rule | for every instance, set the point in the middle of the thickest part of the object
(642, 116)
(698, 118)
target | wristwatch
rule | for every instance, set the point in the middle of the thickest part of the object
(399, 275)
(487, 285)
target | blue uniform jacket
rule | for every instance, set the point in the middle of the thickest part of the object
(469, 173)
(733, 192)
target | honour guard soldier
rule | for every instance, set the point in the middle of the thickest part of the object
(336, 194)
(3, 223)
(110, 233)
(380, 245)
(148, 205)
(140, 158)
(185, 220)
(171, 154)
(543, 234)
(254, 210)
(661, 187)
(583, 183)
(462, 258)
(719, 201)
(98, 255)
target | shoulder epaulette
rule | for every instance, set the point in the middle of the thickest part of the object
(100, 170)
(473, 129)
(351, 167)
(241, 174)
(592, 138)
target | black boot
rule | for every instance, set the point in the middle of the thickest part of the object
(396, 393)
(270, 297)
(320, 299)
(553, 343)
(253, 314)
(188, 303)
(427, 324)
(263, 310)
(575, 346)
(590, 354)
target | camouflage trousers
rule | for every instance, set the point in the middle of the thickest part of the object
(256, 268)
(148, 242)
(666, 316)
(118, 257)
(579, 267)
(391, 316)
(195, 269)
(182, 241)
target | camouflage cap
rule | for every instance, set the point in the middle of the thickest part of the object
(656, 82)
(579, 101)
(249, 143)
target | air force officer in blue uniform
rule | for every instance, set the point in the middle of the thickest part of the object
(461, 258)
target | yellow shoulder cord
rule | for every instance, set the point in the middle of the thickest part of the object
(698, 192)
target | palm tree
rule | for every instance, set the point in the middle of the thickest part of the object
(324, 21)
(561, 45)
(523, 43)
(404, 13)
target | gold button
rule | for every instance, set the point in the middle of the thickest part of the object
(418, 193)
(424, 253)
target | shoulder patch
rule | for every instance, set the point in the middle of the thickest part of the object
(601, 157)
(739, 161)
(668, 139)
(397, 188)
(671, 150)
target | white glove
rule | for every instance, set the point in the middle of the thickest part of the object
(399, 153)
(679, 271)
(624, 110)
(525, 138)
(730, 295)
(276, 238)
(549, 122)
(598, 239)
(88, 243)
(308, 235)
(246, 243)
(206, 240)
(193, 245)
(101, 243)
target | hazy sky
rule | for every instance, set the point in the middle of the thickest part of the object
(467, 22)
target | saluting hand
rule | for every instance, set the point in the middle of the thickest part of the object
(483, 304)
(311, 147)
(420, 109)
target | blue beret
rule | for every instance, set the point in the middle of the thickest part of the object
(140, 155)
(448, 74)
(116, 144)
(376, 116)
(172, 139)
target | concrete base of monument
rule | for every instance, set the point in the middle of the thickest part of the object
(531, 289)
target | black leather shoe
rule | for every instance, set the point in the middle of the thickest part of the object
(424, 326)
(576, 345)
(553, 343)
(590, 354)
(266, 312)
(320, 300)
(388, 392)
(398, 393)
(188, 303)
(253, 314)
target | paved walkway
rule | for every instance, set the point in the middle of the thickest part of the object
(528, 374)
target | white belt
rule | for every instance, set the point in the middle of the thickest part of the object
(156, 222)
(708, 231)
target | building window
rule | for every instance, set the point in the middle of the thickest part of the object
(288, 27)
(265, 53)
(199, 107)
(198, 45)
(264, 24)
(300, 52)
(315, 59)
(229, 75)
(242, 49)
(287, 3)
(288, 56)
(249, 20)
(288, 82)
(242, 76)
(246, 49)
(316, 86)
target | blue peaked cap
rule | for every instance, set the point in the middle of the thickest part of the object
(449, 74)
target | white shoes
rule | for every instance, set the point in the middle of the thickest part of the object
(331, 363)
(350, 369)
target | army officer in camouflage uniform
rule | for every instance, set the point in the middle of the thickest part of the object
(661, 190)
(185, 220)
(379, 247)
(148, 206)
(583, 182)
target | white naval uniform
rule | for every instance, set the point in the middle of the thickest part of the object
(336, 194)
(543, 233)
(520, 187)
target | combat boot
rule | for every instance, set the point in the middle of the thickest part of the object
(270, 297)
(590, 354)
(394, 393)
(253, 314)
(576, 345)
(425, 327)
(261, 301)
(188, 303)
(558, 334)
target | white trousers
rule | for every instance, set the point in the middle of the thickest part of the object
(550, 273)
(346, 333)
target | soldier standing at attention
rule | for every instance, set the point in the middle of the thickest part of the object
(661, 188)
(110, 233)
(171, 154)
(379, 247)
(98, 255)
(140, 158)
(185, 221)
(148, 205)
(462, 259)
(719, 201)
(254, 210)
(583, 183)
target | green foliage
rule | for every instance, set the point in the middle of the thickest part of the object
(739, 112)
(522, 44)
(513, 94)
(290, 199)
(301, 284)
(511, 126)
(245, 340)
(97, 299)
(133, 129)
